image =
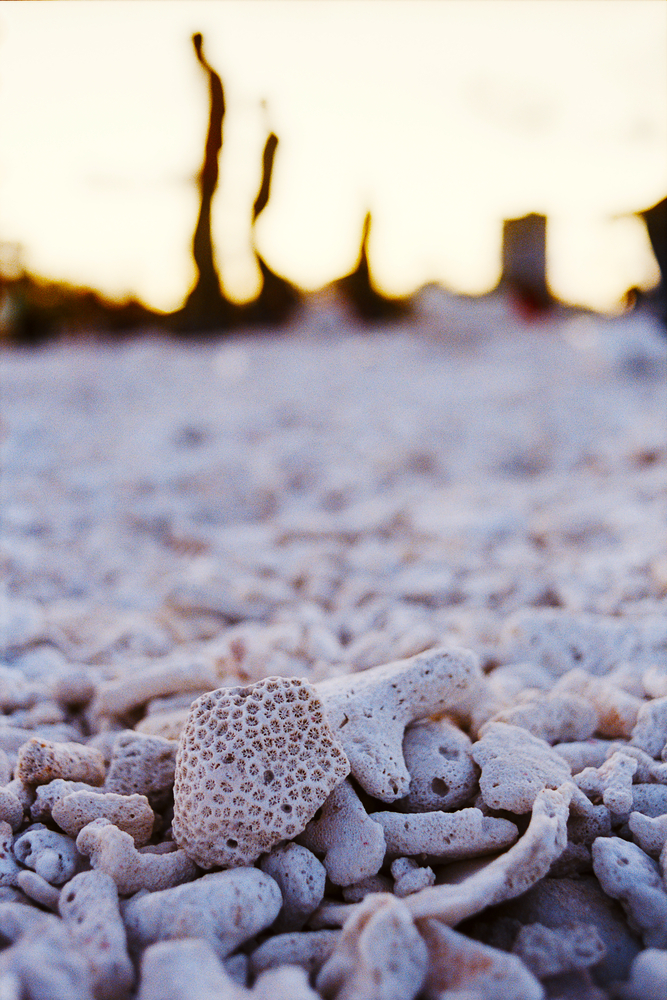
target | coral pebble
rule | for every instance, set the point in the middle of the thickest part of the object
(253, 766)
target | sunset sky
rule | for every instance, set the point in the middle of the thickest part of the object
(443, 117)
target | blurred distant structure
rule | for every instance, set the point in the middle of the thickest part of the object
(359, 292)
(524, 264)
(32, 310)
(655, 219)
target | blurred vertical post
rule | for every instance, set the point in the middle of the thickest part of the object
(524, 262)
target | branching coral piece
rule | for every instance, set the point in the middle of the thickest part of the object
(113, 851)
(369, 712)
(466, 833)
(130, 813)
(510, 874)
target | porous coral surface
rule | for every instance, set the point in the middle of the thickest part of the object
(286, 514)
(254, 764)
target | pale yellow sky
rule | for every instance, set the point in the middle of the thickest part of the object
(443, 117)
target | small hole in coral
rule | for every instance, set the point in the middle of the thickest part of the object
(232, 843)
(439, 787)
(286, 808)
(268, 777)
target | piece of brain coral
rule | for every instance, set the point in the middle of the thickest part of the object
(254, 764)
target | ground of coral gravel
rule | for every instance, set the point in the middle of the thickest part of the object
(323, 500)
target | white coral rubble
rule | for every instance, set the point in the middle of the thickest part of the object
(254, 765)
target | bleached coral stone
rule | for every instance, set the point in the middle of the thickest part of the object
(254, 764)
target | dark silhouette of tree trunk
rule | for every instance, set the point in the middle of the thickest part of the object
(655, 219)
(268, 158)
(206, 307)
(278, 297)
(357, 287)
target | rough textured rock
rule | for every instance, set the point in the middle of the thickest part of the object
(379, 954)
(223, 908)
(650, 731)
(516, 767)
(88, 906)
(130, 813)
(626, 873)
(442, 772)
(40, 761)
(52, 855)
(353, 844)
(301, 879)
(141, 765)
(612, 782)
(458, 963)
